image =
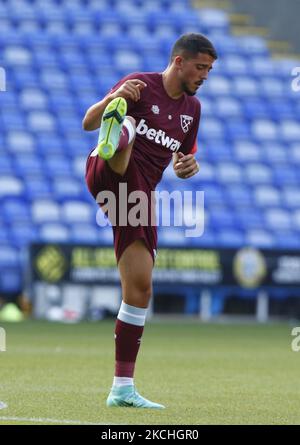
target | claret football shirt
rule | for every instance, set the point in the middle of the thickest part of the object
(163, 125)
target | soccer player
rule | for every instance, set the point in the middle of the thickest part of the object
(145, 120)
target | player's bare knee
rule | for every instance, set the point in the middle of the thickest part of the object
(138, 294)
(144, 290)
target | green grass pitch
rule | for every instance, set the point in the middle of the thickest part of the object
(203, 373)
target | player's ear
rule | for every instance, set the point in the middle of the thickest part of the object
(178, 61)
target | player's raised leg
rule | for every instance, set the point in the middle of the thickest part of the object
(116, 135)
(119, 162)
(111, 127)
(135, 268)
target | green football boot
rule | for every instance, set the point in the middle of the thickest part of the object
(111, 127)
(127, 396)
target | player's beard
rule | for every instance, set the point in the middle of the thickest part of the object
(186, 89)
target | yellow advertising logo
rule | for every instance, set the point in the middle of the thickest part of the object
(51, 264)
(249, 266)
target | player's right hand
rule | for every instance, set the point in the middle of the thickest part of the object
(130, 89)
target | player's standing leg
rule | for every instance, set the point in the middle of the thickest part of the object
(135, 267)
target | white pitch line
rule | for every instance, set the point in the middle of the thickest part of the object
(46, 420)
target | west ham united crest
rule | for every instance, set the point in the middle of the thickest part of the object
(186, 122)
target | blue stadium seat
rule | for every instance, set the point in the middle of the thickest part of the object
(237, 129)
(229, 173)
(20, 142)
(289, 130)
(25, 77)
(285, 175)
(266, 196)
(208, 239)
(214, 19)
(57, 165)
(246, 151)
(280, 109)
(28, 164)
(238, 196)
(218, 85)
(225, 44)
(43, 210)
(74, 211)
(215, 150)
(207, 173)
(213, 194)
(212, 128)
(262, 66)
(231, 238)
(11, 281)
(9, 99)
(274, 153)
(249, 218)
(256, 107)
(41, 121)
(234, 64)
(9, 256)
(260, 238)
(65, 188)
(253, 46)
(17, 56)
(54, 233)
(285, 239)
(37, 187)
(23, 234)
(296, 219)
(12, 121)
(84, 233)
(265, 130)
(125, 61)
(33, 99)
(245, 86)
(295, 153)
(172, 236)
(228, 107)
(15, 210)
(79, 165)
(46, 59)
(10, 186)
(272, 87)
(221, 218)
(4, 234)
(291, 196)
(49, 144)
(258, 173)
(6, 168)
(278, 219)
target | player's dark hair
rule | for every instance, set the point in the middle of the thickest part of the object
(191, 44)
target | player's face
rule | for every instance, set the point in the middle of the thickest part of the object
(193, 72)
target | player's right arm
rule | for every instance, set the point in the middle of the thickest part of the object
(129, 90)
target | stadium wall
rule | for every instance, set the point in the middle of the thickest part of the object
(280, 18)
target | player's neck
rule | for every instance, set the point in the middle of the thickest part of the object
(171, 84)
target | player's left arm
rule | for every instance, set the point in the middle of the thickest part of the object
(186, 166)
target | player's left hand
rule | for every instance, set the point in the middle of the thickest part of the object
(185, 166)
